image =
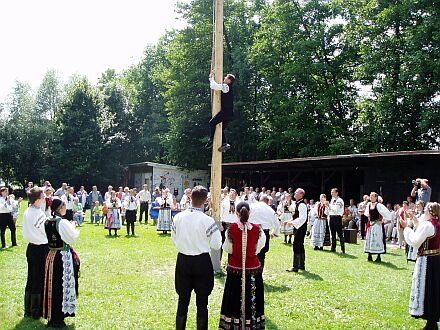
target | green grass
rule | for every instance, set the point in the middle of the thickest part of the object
(128, 283)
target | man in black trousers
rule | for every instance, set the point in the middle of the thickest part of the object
(6, 219)
(299, 222)
(226, 113)
(194, 234)
(335, 212)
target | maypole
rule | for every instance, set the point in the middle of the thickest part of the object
(216, 163)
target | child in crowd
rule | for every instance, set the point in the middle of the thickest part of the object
(96, 213)
(104, 211)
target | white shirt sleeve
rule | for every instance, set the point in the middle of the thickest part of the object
(216, 240)
(261, 240)
(367, 210)
(218, 87)
(416, 238)
(275, 225)
(227, 245)
(384, 212)
(68, 232)
(302, 218)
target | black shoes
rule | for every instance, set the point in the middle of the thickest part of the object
(224, 147)
(292, 270)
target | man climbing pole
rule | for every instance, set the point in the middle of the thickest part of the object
(226, 112)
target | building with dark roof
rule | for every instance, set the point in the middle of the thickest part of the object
(389, 174)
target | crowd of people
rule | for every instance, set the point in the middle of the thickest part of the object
(113, 209)
(245, 215)
(248, 220)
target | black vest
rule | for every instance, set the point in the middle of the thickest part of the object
(228, 102)
(53, 236)
(296, 213)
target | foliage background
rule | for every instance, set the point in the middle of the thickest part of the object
(314, 77)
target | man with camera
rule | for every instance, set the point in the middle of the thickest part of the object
(421, 190)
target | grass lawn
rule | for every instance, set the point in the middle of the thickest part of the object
(128, 283)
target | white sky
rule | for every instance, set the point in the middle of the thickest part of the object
(80, 36)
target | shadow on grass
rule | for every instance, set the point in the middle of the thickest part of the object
(348, 256)
(275, 288)
(388, 265)
(131, 236)
(270, 325)
(161, 234)
(29, 323)
(345, 255)
(8, 249)
(311, 276)
(393, 254)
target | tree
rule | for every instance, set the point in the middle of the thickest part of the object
(397, 43)
(23, 137)
(304, 70)
(77, 147)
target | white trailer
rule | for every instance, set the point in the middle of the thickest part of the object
(166, 176)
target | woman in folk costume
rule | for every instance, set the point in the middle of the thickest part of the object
(113, 221)
(411, 251)
(375, 240)
(243, 298)
(62, 267)
(285, 216)
(164, 219)
(320, 231)
(425, 290)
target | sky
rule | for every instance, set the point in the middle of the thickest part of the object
(83, 37)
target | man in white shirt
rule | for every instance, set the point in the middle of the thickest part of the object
(363, 218)
(68, 199)
(227, 211)
(61, 191)
(130, 204)
(194, 234)
(226, 113)
(37, 249)
(247, 196)
(299, 222)
(335, 211)
(144, 198)
(262, 214)
(6, 219)
(253, 192)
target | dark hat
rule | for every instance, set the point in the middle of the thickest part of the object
(56, 204)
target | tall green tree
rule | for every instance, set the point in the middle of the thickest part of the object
(21, 146)
(77, 147)
(398, 47)
(115, 120)
(148, 124)
(304, 70)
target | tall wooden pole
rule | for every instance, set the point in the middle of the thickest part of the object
(216, 163)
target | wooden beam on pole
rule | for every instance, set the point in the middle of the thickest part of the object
(216, 163)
